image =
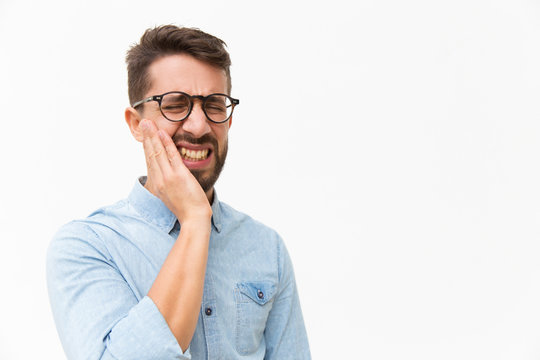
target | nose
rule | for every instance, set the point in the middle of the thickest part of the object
(196, 123)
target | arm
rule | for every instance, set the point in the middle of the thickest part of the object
(285, 333)
(96, 312)
(178, 288)
(97, 315)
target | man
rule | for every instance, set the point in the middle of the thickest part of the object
(171, 272)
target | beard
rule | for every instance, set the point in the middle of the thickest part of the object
(205, 179)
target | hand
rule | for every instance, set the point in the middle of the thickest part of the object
(169, 179)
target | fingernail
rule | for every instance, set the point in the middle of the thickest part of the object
(161, 134)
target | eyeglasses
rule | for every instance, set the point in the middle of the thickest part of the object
(177, 105)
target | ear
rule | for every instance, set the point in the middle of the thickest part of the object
(230, 122)
(133, 119)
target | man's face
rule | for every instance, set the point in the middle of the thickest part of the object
(201, 143)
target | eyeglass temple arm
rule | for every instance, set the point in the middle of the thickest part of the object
(234, 102)
(151, 98)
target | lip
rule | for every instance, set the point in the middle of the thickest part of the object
(196, 164)
(191, 146)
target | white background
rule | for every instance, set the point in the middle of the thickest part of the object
(393, 144)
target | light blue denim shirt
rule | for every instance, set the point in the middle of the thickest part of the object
(100, 269)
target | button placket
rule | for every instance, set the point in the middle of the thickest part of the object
(209, 317)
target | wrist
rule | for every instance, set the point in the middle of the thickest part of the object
(196, 220)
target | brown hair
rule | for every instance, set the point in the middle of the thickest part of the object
(170, 40)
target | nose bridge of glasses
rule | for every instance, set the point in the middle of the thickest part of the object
(201, 102)
(196, 121)
(201, 98)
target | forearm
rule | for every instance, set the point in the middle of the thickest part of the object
(178, 288)
(97, 313)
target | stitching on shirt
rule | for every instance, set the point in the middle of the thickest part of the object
(280, 261)
(237, 301)
(108, 255)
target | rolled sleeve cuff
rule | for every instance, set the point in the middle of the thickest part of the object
(144, 334)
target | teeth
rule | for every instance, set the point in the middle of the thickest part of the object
(194, 155)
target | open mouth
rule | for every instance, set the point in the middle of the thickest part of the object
(194, 155)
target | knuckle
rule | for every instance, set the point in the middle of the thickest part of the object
(166, 179)
(158, 183)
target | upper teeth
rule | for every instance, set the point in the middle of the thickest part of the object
(194, 154)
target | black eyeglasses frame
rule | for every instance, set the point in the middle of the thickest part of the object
(159, 98)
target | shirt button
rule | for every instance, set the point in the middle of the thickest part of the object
(260, 294)
(208, 311)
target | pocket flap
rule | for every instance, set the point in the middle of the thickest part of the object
(259, 291)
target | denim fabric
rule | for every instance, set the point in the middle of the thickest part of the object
(100, 269)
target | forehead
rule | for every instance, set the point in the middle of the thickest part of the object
(183, 72)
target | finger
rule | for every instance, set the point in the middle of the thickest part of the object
(147, 143)
(159, 154)
(172, 152)
(149, 151)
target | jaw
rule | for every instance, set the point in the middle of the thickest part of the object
(206, 171)
(206, 178)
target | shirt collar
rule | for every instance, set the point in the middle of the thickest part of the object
(153, 210)
(216, 213)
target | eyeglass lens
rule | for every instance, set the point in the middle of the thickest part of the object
(176, 106)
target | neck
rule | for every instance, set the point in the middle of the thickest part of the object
(210, 196)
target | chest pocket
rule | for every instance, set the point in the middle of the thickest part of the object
(253, 303)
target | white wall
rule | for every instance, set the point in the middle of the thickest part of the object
(401, 165)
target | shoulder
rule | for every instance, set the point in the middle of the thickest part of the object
(84, 236)
(238, 220)
(251, 236)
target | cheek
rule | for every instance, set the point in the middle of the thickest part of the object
(221, 135)
(169, 127)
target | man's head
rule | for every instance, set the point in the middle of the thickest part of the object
(169, 40)
(167, 59)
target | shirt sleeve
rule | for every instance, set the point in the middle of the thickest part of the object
(97, 315)
(285, 333)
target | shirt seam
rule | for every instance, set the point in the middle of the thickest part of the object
(106, 254)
